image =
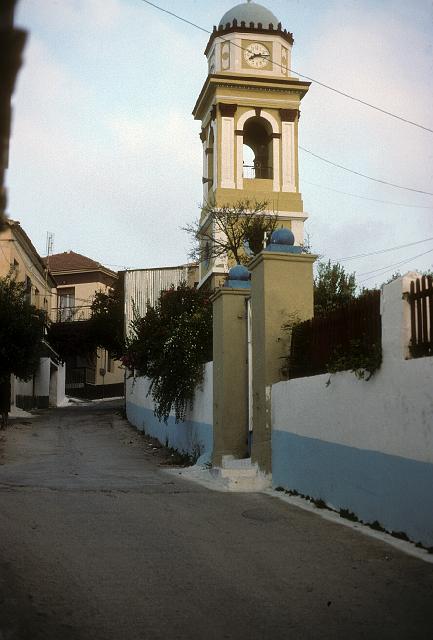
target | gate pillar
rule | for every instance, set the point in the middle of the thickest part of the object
(230, 368)
(281, 291)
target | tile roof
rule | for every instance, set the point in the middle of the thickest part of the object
(71, 261)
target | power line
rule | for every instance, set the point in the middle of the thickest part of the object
(355, 195)
(171, 13)
(390, 266)
(379, 251)
(175, 15)
(321, 84)
(363, 175)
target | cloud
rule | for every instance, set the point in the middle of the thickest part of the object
(367, 54)
(72, 15)
(99, 179)
(362, 54)
(105, 152)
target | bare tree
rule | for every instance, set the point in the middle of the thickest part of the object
(237, 231)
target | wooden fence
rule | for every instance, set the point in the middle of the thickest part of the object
(421, 316)
(325, 343)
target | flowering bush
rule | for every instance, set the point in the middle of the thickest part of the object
(170, 345)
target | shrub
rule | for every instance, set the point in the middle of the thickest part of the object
(170, 345)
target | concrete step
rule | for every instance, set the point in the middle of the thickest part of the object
(240, 475)
(230, 462)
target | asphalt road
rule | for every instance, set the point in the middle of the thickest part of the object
(98, 542)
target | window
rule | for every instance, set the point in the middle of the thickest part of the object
(66, 304)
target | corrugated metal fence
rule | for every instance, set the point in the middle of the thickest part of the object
(145, 285)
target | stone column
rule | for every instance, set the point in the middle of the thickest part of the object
(396, 322)
(281, 291)
(227, 155)
(230, 369)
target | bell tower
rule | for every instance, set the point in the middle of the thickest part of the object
(249, 113)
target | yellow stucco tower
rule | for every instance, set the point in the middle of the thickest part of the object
(249, 113)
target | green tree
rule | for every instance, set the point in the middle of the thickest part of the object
(170, 345)
(333, 287)
(107, 321)
(21, 330)
(21, 333)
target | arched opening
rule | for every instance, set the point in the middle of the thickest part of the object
(257, 149)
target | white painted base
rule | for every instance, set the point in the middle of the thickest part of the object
(241, 475)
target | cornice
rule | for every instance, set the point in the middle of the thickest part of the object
(230, 291)
(266, 256)
(65, 272)
(290, 86)
(234, 27)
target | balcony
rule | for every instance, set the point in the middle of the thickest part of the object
(73, 314)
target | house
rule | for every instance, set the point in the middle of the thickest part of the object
(19, 257)
(77, 280)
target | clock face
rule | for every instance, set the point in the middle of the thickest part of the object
(257, 55)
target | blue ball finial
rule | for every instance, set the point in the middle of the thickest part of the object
(283, 241)
(283, 236)
(239, 272)
(238, 278)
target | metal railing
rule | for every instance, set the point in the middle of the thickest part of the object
(79, 377)
(257, 171)
(73, 314)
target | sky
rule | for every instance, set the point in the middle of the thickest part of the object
(106, 155)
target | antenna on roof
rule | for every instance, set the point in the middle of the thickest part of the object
(49, 251)
(50, 243)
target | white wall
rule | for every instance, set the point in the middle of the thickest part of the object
(366, 446)
(21, 388)
(42, 378)
(57, 385)
(48, 386)
(193, 436)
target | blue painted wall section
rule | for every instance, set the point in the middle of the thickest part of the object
(396, 491)
(187, 437)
